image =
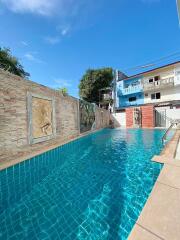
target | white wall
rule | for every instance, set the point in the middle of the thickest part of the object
(177, 75)
(169, 94)
(162, 74)
(119, 119)
(173, 113)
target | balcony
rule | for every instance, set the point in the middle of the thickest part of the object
(106, 96)
(160, 84)
(130, 90)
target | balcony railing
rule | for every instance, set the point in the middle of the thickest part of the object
(130, 90)
(162, 83)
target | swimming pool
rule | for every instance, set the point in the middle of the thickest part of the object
(93, 188)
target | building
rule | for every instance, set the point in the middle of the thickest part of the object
(129, 92)
(157, 85)
(106, 98)
(149, 99)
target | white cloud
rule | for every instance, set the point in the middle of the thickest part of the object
(52, 40)
(59, 82)
(64, 9)
(43, 7)
(31, 56)
(62, 32)
(63, 29)
(24, 43)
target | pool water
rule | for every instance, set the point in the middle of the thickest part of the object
(93, 188)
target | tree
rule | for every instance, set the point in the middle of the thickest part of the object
(63, 90)
(94, 80)
(11, 63)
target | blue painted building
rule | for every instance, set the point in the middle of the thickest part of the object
(129, 92)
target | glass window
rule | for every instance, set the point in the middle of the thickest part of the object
(150, 80)
(158, 95)
(132, 99)
(152, 96)
(156, 78)
(155, 96)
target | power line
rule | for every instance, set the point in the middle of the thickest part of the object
(152, 63)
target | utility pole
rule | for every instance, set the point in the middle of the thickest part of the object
(115, 76)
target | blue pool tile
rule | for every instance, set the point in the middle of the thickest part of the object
(92, 188)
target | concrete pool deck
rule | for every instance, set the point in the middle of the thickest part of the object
(160, 217)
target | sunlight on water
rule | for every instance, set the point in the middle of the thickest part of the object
(93, 188)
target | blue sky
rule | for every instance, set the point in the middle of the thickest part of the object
(57, 40)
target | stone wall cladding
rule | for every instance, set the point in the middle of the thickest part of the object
(102, 117)
(14, 116)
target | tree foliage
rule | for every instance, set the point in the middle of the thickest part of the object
(11, 63)
(63, 90)
(94, 80)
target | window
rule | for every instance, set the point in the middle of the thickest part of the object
(132, 99)
(158, 95)
(156, 78)
(150, 80)
(155, 96)
(135, 83)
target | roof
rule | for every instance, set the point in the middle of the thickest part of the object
(139, 74)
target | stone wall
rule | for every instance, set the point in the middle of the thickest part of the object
(14, 111)
(102, 118)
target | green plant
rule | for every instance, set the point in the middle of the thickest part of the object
(63, 90)
(92, 81)
(11, 63)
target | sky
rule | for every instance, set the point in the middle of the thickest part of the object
(57, 41)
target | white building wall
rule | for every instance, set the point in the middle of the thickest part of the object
(119, 119)
(171, 114)
(163, 75)
(169, 94)
(177, 76)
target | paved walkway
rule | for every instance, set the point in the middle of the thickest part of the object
(178, 152)
(160, 218)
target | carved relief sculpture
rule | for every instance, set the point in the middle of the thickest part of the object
(41, 117)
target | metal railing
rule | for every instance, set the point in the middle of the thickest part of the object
(132, 89)
(173, 123)
(162, 83)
